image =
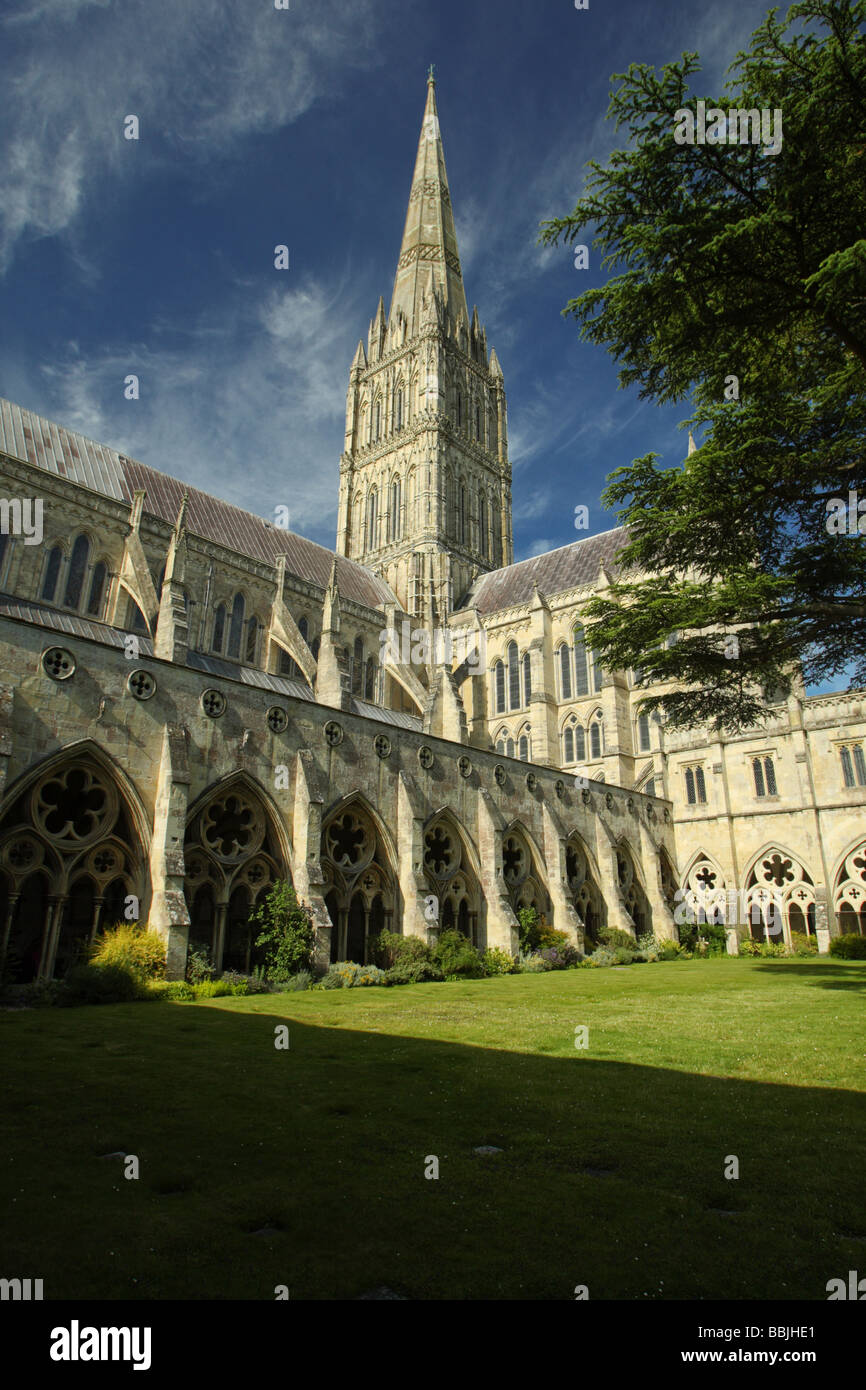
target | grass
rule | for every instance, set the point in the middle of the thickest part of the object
(305, 1167)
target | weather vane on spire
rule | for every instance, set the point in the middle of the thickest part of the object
(431, 76)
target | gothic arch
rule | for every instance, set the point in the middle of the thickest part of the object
(632, 888)
(523, 870)
(74, 842)
(358, 856)
(705, 888)
(453, 873)
(236, 846)
(582, 875)
(849, 889)
(777, 873)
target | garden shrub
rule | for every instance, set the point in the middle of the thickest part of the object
(102, 984)
(389, 948)
(528, 929)
(455, 955)
(215, 989)
(670, 950)
(199, 965)
(603, 956)
(303, 980)
(417, 973)
(497, 962)
(131, 946)
(347, 974)
(532, 963)
(613, 939)
(549, 939)
(173, 990)
(712, 934)
(286, 931)
(803, 945)
(37, 994)
(851, 946)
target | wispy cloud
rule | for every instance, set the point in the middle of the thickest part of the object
(247, 406)
(199, 76)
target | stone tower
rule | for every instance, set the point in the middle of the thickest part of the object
(425, 482)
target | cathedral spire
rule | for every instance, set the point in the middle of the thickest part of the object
(429, 238)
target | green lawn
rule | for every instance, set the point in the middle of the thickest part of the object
(306, 1167)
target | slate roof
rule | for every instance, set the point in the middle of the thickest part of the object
(555, 571)
(67, 454)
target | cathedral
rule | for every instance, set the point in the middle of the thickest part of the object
(195, 703)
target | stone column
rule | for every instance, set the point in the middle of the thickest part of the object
(168, 910)
(565, 917)
(307, 875)
(663, 925)
(502, 928)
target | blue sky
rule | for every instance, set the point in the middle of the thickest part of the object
(261, 126)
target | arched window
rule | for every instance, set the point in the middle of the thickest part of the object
(52, 573)
(581, 680)
(568, 745)
(500, 745)
(513, 676)
(499, 683)
(860, 765)
(650, 788)
(597, 673)
(770, 774)
(700, 785)
(690, 786)
(370, 679)
(527, 678)
(97, 590)
(377, 418)
(303, 628)
(315, 648)
(483, 526)
(595, 743)
(250, 647)
(77, 571)
(398, 410)
(372, 519)
(524, 747)
(579, 745)
(643, 733)
(358, 666)
(459, 410)
(463, 514)
(394, 514)
(236, 626)
(565, 671)
(219, 628)
(478, 422)
(509, 747)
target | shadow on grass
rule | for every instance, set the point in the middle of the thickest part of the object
(845, 974)
(306, 1167)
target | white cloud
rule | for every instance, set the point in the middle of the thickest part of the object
(258, 424)
(200, 76)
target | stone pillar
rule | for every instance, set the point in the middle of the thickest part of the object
(53, 922)
(168, 910)
(565, 917)
(664, 927)
(410, 854)
(502, 928)
(12, 903)
(617, 916)
(307, 876)
(220, 935)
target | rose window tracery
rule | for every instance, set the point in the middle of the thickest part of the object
(74, 805)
